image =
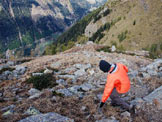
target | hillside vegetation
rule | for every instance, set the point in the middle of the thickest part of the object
(129, 25)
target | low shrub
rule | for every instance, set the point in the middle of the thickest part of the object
(42, 81)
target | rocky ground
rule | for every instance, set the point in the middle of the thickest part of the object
(79, 88)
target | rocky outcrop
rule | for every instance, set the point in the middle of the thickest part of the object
(79, 88)
(49, 117)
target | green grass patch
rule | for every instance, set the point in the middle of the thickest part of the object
(122, 36)
(42, 81)
(105, 49)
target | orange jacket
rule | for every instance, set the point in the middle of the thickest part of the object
(119, 80)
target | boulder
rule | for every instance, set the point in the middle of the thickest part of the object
(61, 81)
(47, 71)
(155, 95)
(87, 87)
(11, 107)
(32, 111)
(37, 74)
(33, 91)
(113, 48)
(65, 92)
(55, 65)
(80, 72)
(48, 117)
(21, 69)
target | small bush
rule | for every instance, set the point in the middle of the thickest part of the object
(122, 36)
(43, 81)
(106, 12)
(96, 18)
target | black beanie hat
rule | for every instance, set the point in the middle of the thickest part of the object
(104, 66)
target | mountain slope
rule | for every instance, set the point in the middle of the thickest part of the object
(129, 25)
(25, 24)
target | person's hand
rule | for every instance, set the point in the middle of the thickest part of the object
(100, 107)
(101, 104)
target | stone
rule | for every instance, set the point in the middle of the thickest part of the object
(4, 66)
(113, 48)
(83, 66)
(11, 63)
(32, 111)
(155, 95)
(107, 120)
(7, 113)
(80, 72)
(21, 69)
(87, 87)
(61, 81)
(33, 91)
(55, 65)
(11, 107)
(37, 74)
(133, 74)
(66, 76)
(91, 72)
(65, 92)
(83, 108)
(37, 95)
(48, 117)
(47, 71)
(125, 114)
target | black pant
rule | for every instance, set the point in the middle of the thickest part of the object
(116, 100)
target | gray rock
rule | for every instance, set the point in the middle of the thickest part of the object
(153, 68)
(74, 89)
(66, 76)
(11, 107)
(32, 111)
(83, 108)
(37, 95)
(65, 92)
(21, 69)
(4, 66)
(61, 81)
(87, 87)
(11, 63)
(159, 74)
(7, 73)
(48, 117)
(67, 70)
(37, 74)
(33, 91)
(55, 65)
(108, 120)
(47, 71)
(91, 72)
(133, 74)
(1, 94)
(83, 66)
(80, 72)
(125, 114)
(113, 48)
(155, 95)
(8, 113)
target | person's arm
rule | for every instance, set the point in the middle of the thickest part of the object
(107, 91)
